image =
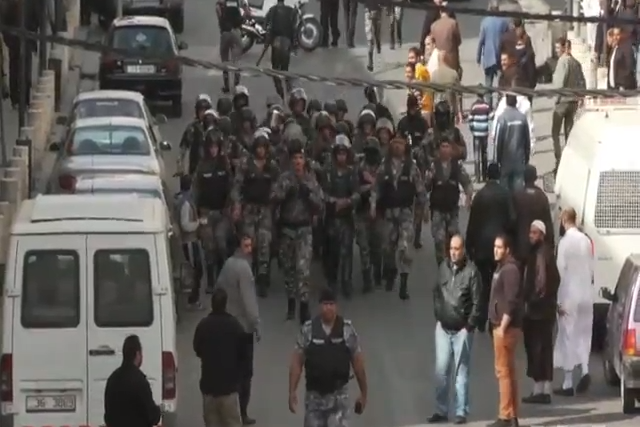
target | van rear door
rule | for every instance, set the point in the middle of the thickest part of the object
(121, 300)
(49, 355)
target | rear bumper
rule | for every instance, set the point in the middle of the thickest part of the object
(155, 88)
(631, 370)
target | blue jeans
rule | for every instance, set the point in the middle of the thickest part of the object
(512, 180)
(490, 75)
(458, 345)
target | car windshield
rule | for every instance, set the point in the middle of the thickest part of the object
(108, 107)
(146, 39)
(109, 139)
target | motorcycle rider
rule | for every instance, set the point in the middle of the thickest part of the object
(193, 138)
(398, 187)
(282, 26)
(211, 190)
(365, 127)
(341, 189)
(251, 191)
(230, 22)
(299, 198)
(297, 105)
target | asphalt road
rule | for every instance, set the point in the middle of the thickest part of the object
(396, 336)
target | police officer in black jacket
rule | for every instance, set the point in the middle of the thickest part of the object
(230, 22)
(128, 400)
(492, 214)
(282, 23)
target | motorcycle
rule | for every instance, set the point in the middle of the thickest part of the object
(309, 31)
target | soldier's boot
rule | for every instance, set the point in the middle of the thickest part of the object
(262, 285)
(291, 308)
(370, 62)
(404, 292)
(377, 276)
(304, 312)
(367, 286)
(225, 82)
(390, 278)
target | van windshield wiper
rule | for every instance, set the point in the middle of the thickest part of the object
(86, 218)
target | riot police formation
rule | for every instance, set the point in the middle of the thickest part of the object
(282, 23)
(299, 184)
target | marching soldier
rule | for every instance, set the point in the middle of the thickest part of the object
(298, 105)
(385, 133)
(341, 189)
(398, 187)
(343, 110)
(299, 198)
(248, 124)
(250, 195)
(192, 140)
(366, 226)
(443, 181)
(365, 127)
(211, 189)
(444, 122)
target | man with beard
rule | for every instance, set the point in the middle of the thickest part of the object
(192, 140)
(299, 197)
(250, 196)
(530, 203)
(341, 189)
(366, 227)
(398, 187)
(492, 214)
(443, 181)
(211, 189)
(541, 281)
(281, 23)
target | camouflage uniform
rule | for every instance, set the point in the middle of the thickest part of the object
(332, 409)
(251, 191)
(365, 127)
(397, 226)
(445, 222)
(299, 96)
(295, 220)
(384, 125)
(192, 139)
(340, 182)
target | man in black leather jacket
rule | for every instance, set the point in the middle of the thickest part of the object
(492, 213)
(456, 298)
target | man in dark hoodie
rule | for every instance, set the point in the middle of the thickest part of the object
(505, 314)
(491, 214)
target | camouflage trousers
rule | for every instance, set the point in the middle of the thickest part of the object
(369, 241)
(444, 225)
(296, 250)
(397, 239)
(214, 236)
(330, 410)
(372, 26)
(340, 232)
(257, 222)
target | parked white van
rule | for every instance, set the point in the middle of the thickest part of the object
(599, 176)
(83, 273)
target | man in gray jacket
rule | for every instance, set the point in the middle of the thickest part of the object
(236, 278)
(513, 145)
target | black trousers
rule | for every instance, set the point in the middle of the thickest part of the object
(329, 20)
(244, 393)
(486, 268)
(538, 344)
(14, 73)
(193, 254)
(280, 59)
(480, 157)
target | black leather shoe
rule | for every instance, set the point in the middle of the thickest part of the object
(246, 421)
(566, 392)
(583, 384)
(437, 418)
(459, 420)
(542, 399)
(500, 422)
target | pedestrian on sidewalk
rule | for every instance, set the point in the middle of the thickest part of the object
(479, 119)
(492, 28)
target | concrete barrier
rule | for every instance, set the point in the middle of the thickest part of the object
(62, 57)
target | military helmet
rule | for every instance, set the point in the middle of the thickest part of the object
(209, 118)
(371, 143)
(294, 147)
(241, 95)
(313, 106)
(323, 120)
(342, 143)
(224, 106)
(260, 137)
(203, 102)
(341, 104)
(342, 128)
(213, 137)
(367, 116)
(297, 94)
(247, 115)
(271, 101)
(330, 108)
(224, 125)
(442, 108)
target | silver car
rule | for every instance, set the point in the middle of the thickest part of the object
(116, 145)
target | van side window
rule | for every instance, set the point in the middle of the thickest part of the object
(50, 290)
(123, 294)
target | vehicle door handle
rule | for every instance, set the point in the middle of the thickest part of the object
(102, 351)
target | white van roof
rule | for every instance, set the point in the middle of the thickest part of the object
(90, 214)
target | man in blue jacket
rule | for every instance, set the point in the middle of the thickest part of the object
(488, 55)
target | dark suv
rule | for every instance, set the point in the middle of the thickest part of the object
(150, 65)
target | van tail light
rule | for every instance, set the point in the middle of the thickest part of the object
(109, 63)
(6, 378)
(629, 345)
(169, 386)
(67, 183)
(171, 66)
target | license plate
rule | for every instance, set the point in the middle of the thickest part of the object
(58, 403)
(141, 69)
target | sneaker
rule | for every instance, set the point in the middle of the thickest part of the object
(541, 398)
(437, 418)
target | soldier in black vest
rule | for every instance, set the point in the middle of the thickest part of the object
(250, 195)
(399, 186)
(211, 189)
(341, 195)
(327, 348)
(443, 181)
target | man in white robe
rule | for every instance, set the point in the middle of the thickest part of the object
(575, 306)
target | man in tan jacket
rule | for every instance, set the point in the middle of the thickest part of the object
(447, 38)
(446, 74)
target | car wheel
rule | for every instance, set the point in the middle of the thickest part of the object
(176, 107)
(627, 398)
(177, 20)
(610, 375)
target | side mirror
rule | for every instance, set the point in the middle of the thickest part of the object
(61, 120)
(54, 147)
(161, 119)
(165, 146)
(606, 294)
(183, 45)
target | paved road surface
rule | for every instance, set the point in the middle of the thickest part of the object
(396, 336)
